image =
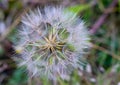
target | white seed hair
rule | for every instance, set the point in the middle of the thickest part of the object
(32, 32)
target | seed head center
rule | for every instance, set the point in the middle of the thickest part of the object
(52, 43)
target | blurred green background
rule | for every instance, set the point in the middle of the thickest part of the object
(102, 18)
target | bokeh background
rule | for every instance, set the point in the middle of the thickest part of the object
(102, 17)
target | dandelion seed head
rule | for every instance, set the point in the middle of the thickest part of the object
(52, 41)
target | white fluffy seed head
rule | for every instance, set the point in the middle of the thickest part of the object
(53, 41)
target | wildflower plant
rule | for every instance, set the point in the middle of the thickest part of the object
(53, 42)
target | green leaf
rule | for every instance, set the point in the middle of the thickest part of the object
(78, 8)
(18, 78)
(1, 51)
